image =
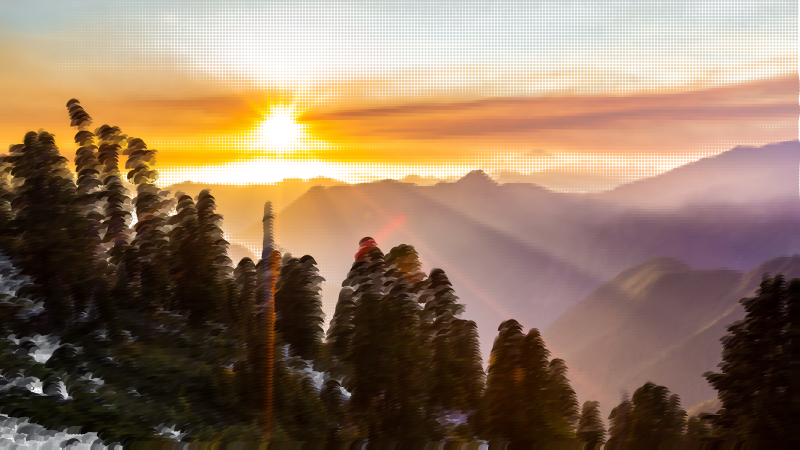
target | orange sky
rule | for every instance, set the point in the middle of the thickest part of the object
(208, 125)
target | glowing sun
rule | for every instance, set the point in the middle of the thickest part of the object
(279, 129)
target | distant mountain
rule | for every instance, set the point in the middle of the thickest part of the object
(743, 175)
(659, 321)
(519, 250)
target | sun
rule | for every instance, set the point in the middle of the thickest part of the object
(279, 131)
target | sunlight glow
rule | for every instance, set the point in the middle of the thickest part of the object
(279, 132)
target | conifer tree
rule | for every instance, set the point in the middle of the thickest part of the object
(409, 416)
(88, 168)
(762, 347)
(298, 307)
(333, 402)
(538, 403)
(341, 330)
(215, 266)
(243, 314)
(565, 413)
(590, 426)
(656, 415)
(54, 250)
(185, 260)
(697, 429)
(500, 416)
(619, 421)
(150, 243)
(6, 211)
(117, 216)
(368, 358)
(468, 364)
(405, 259)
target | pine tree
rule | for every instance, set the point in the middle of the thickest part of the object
(538, 401)
(340, 331)
(367, 355)
(243, 313)
(656, 415)
(117, 215)
(619, 421)
(405, 259)
(298, 307)
(438, 331)
(54, 249)
(409, 416)
(789, 365)
(150, 242)
(89, 185)
(468, 364)
(368, 267)
(590, 426)
(7, 233)
(500, 414)
(697, 429)
(215, 266)
(762, 347)
(333, 402)
(676, 415)
(565, 414)
(88, 168)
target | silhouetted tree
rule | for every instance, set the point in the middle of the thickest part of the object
(500, 416)
(619, 421)
(538, 404)
(53, 248)
(758, 384)
(697, 429)
(590, 426)
(565, 413)
(333, 402)
(656, 415)
(298, 307)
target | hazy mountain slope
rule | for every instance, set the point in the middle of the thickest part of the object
(519, 250)
(659, 321)
(741, 175)
(496, 274)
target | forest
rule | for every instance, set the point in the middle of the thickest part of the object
(159, 337)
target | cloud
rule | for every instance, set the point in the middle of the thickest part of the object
(770, 100)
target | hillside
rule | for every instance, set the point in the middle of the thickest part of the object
(659, 321)
(519, 250)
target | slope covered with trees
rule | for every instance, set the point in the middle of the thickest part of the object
(153, 327)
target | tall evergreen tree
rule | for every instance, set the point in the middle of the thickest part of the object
(457, 376)
(405, 259)
(53, 248)
(409, 415)
(619, 421)
(215, 266)
(367, 355)
(243, 314)
(298, 307)
(468, 364)
(333, 402)
(500, 417)
(697, 429)
(656, 415)
(538, 402)
(6, 211)
(150, 242)
(565, 413)
(762, 347)
(368, 269)
(590, 426)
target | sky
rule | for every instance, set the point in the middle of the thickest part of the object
(549, 92)
(254, 92)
